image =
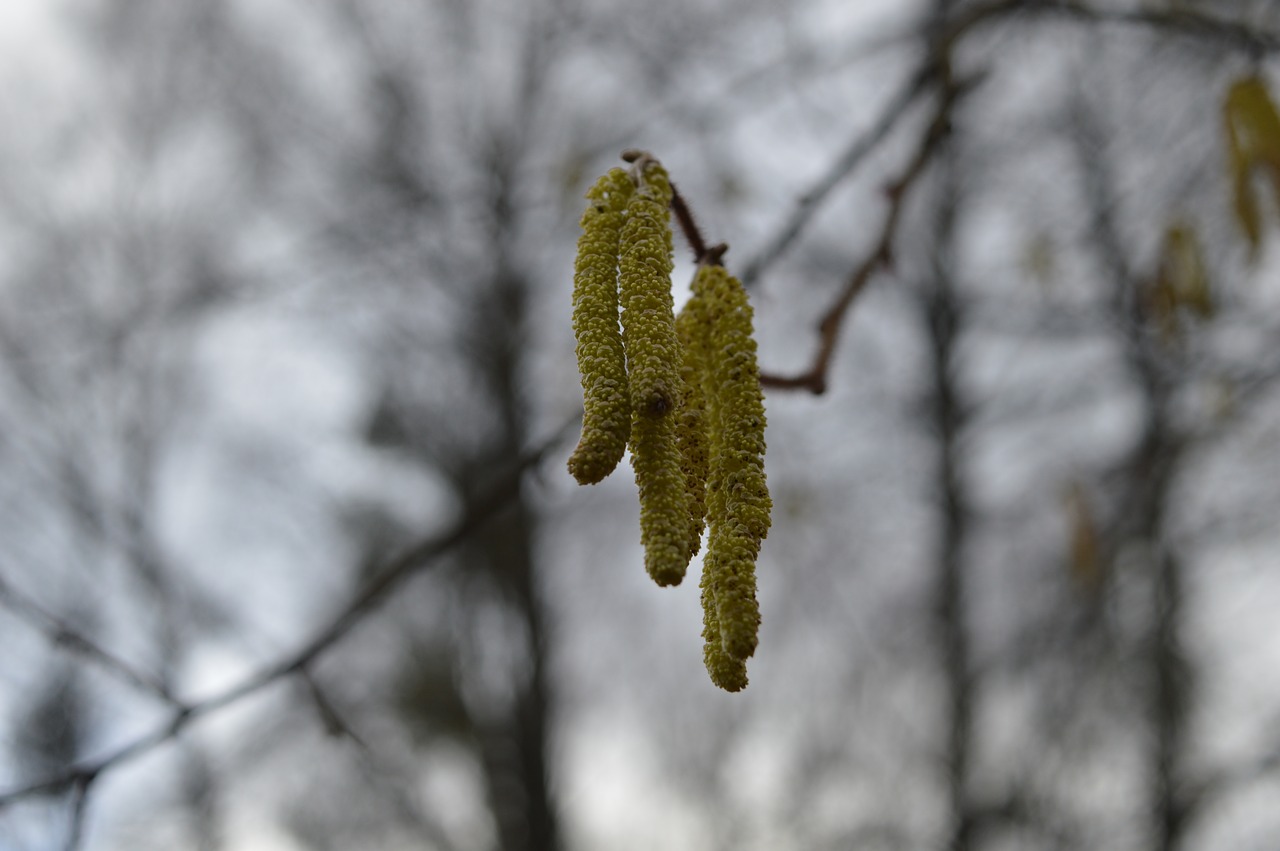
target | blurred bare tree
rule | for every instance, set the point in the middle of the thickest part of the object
(291, 560)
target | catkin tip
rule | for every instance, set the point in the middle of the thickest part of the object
(726, 672)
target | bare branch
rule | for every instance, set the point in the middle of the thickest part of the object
(1191, 25)
(814, 379)
(1184, 23)
(59, 633)
(692, 233)
(844, 165)
(492, 501)
(679, 207)
(79, 803)
(333, 723)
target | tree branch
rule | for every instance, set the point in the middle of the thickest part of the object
(1227, 781)
(391, 781)
(844, 165)
(814, 379)
(490, 502)
(79, 804)
(334, 724)
(1188, 24)
(57, 632)
(1192, 25)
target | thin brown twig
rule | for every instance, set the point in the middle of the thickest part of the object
(684, 216)
(814, 379)
(679, 208)
(1188, 24)
(843, 166)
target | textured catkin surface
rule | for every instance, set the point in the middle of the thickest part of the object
(606, 395)
(664, 519)
(727, 672)
(691, 420)
(653, 364)
(648, 311)
(738, 503)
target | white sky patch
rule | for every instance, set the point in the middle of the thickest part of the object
(610, 786)
(24, 22)
(37, 59)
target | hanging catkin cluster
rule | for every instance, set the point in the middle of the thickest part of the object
(683, 393)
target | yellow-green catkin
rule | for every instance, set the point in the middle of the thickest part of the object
(691, 419)
(738, 503)
(653, 368)
(648, 311)
(606, 396)
(727, 672)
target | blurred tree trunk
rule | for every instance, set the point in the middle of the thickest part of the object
(942, 314)
(514, 746)
(1148, 476)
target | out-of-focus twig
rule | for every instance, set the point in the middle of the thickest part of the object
(79, 803)
(1188, 24)
(1178, 22)
(380, 772)
(936, 67)
(489, 503)
(814, 378)
(334, 723)
(688, 226)
(841, 168)
(61, 634)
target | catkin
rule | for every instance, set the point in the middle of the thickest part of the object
(606, 399)
(691, 422)
(653, 368)
(648, 311)
(738, 503)
(727, 672)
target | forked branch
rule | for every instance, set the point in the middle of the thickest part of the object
(880, 256)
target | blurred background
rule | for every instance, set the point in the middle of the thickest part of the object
(290, 559)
